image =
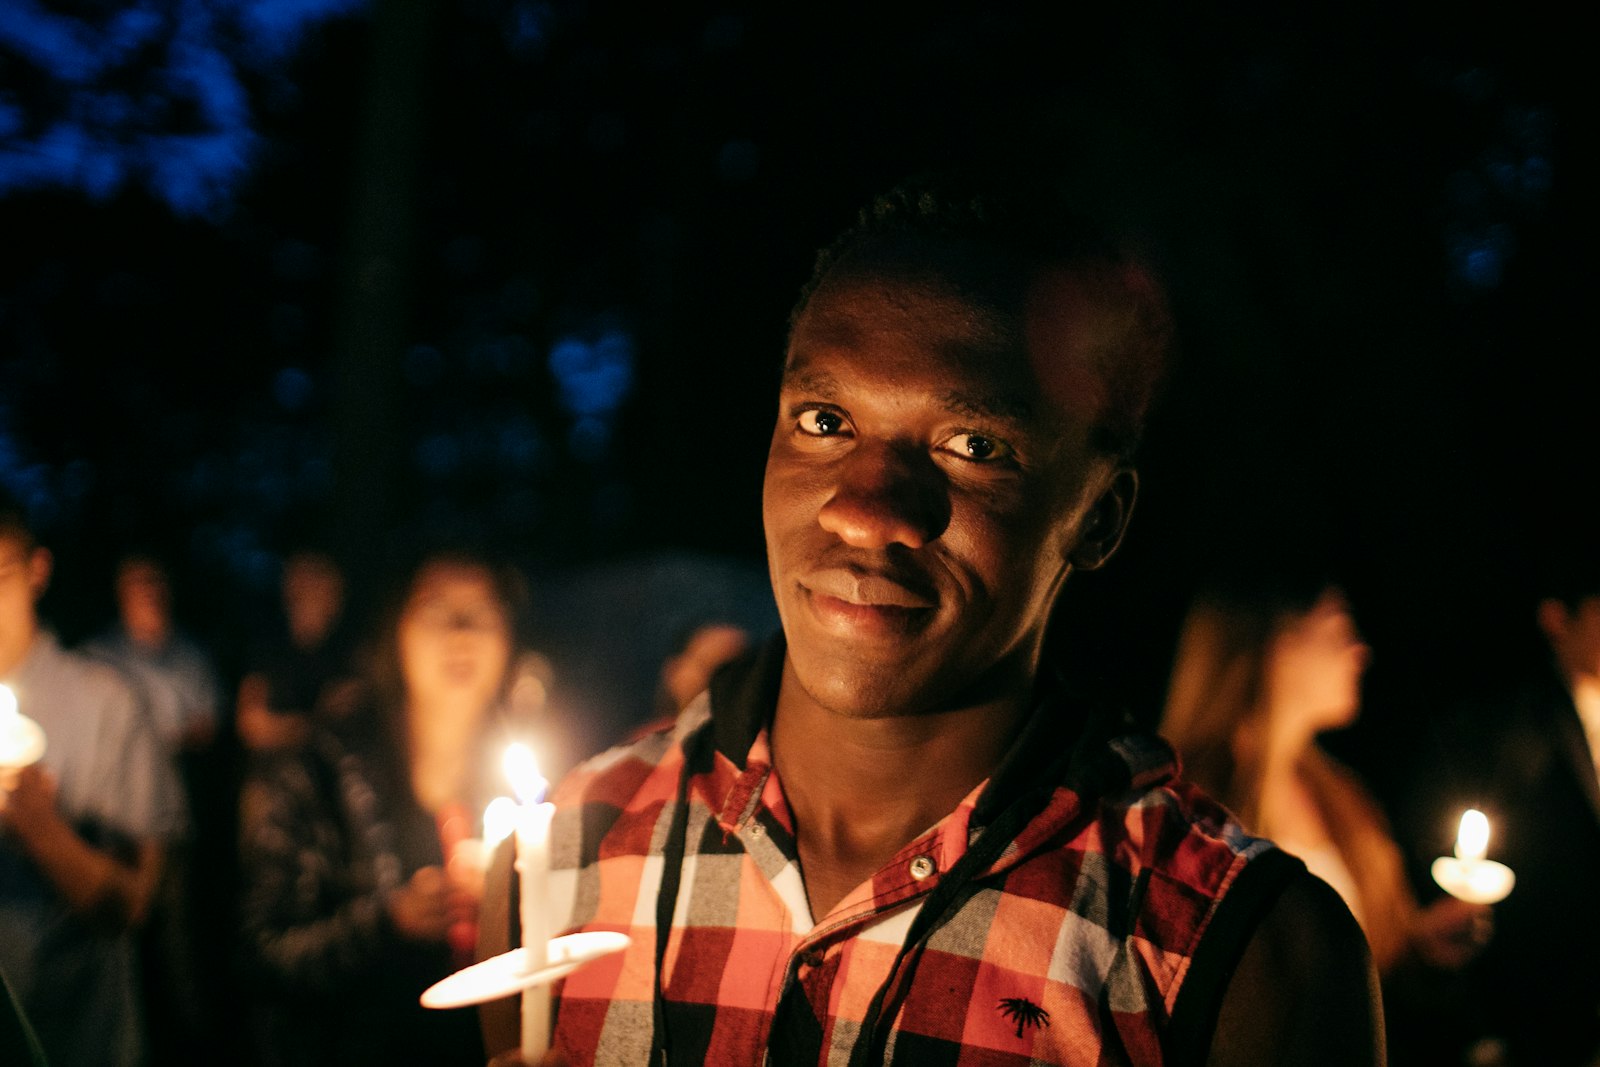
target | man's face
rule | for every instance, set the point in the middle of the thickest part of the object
(143, 598)
(927, 489)
(313, 592)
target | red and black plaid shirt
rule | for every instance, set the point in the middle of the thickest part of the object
(1101, 933)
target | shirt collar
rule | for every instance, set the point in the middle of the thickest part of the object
(1066, 740)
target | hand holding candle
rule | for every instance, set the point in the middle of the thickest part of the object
(1467, 875)
(541, 960)
(21, 739)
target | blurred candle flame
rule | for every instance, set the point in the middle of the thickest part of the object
(1472, 839)
(522, 769)
(499, 819)
(21, 739)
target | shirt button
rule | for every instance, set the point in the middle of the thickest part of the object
(921, 867)
(757, 830)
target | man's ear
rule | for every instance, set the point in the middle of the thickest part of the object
(1105, 522)
(40, 563)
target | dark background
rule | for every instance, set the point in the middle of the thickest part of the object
(524, 268)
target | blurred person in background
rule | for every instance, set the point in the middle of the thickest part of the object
(177, 686)
(83, 832)
(301, 667)
(174, 673)
(1267, 661)
(355, 894)
(695, 657)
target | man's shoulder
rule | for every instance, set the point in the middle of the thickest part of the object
(1124, 812)
(85, 680)
(1154, 810)
(1177, 830)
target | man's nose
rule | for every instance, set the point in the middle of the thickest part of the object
(885, 495)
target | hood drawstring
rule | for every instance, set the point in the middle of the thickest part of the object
(673, 854)
(1089, 777)
(947, 898)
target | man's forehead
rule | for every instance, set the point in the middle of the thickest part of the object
(1014, 352)
(1069, 337)
(937, 312)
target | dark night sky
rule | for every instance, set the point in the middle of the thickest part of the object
(1376, 227)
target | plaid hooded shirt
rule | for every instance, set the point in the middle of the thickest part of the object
(1081, 907)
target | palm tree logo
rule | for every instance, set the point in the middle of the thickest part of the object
(1024, 1013)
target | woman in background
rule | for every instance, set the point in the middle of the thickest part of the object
(1263, 667)
(351, 905)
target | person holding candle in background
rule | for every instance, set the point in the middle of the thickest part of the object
(360, 880)
(1268, 659)
(1518, 740)
(893, 830)
(83, 831)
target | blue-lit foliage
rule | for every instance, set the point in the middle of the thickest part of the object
(149, 94)
(594, 375)
(293, 389)
(1508, 182)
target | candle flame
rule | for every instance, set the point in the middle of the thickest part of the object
(8, 705)
(499, 819)
(523, 771)
(1472, 840)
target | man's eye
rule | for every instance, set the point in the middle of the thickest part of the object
(978, 447)
(821, 423)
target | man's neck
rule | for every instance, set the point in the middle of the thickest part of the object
(150, 638)
(862, 788)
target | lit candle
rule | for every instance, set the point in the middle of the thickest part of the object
(533, 873)
(541, 960)
(21, 739)
(1467, 875)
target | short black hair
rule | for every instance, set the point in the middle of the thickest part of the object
(1021, 222)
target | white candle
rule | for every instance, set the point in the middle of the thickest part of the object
(1467, 875)
(541, 960)
(533, 873)
(21, 739)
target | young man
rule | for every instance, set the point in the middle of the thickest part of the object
(894, 835)
(82, 832)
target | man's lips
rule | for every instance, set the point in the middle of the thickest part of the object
(864, 589)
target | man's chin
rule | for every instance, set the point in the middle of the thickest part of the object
(856, 690)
